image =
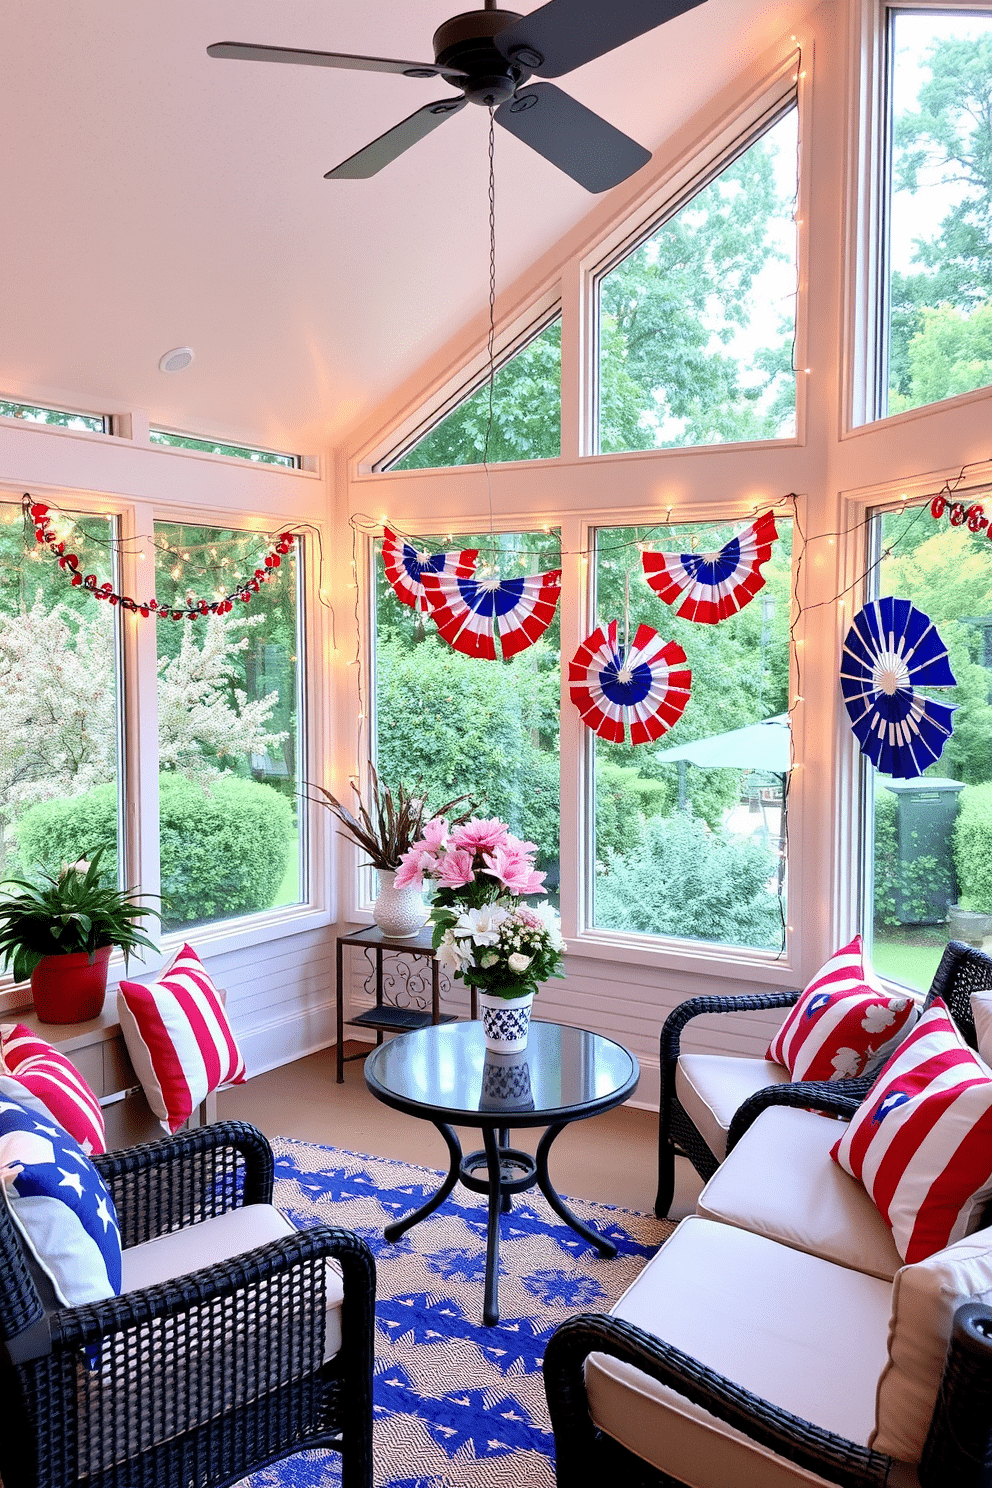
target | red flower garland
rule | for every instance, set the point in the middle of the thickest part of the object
(69, 563)
(973, 516)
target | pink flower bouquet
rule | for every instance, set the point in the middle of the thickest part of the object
(483, 932)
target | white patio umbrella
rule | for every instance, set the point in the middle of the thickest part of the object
(758, 746)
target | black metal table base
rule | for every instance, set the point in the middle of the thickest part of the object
(508, 1171)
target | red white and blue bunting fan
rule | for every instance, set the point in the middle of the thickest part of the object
(405, 567)
(891, 649)
(467, 611)
(643, 689)
(708, 587)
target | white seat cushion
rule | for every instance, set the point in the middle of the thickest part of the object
(710, 1087)
(774, 1320)
(781, 1182)
(925, 1297)
(220, 1239)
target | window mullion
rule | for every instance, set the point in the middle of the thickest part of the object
(140, 708)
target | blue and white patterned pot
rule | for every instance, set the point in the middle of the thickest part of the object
(506, 1083)
(505, 1021)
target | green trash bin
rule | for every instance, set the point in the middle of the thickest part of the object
(925, 812)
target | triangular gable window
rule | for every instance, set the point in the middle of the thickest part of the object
(526, 414)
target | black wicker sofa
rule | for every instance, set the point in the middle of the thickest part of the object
(778, 1339)
(708, 1101)
(237, 1340)
(766, 1346)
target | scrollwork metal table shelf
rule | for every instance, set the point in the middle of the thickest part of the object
(400, 992)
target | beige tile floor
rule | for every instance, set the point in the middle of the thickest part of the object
(611, 1158)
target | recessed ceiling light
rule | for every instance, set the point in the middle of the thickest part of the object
(176, 360)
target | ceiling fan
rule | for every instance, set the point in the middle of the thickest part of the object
(490, 55)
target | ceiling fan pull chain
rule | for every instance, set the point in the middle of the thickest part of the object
(492, 318)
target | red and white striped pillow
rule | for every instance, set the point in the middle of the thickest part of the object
(843, 1022)
(179, 1039)
(921, 1143)
(55, 1081)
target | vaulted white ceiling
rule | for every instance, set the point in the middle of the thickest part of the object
(153, 197)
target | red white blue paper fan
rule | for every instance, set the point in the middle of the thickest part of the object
(891, 649)
(467, 611)
(645, 690)
(710, 586)
(405, 567)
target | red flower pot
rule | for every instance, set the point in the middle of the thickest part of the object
(70, 989)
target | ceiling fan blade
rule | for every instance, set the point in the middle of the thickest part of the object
(564, 34)
(371, 159)
(571, 136)
(243, 51)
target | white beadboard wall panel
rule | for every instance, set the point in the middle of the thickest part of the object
(623, 1001)
(280, 997)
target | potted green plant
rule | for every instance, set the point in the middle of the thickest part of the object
(60, 930)
(386, 829)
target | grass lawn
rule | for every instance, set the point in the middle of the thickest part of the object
(289, 889)
(909, 961)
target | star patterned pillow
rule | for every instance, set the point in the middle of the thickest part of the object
(60, 1205)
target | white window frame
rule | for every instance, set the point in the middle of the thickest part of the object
(138, 724)
(578, 764)
(864, 358)
(862, 507)
(688, 177)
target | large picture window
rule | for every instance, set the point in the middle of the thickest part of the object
(229, 734)
(59, 735)
(939, 221)
(451, 724)
(930, 839)
(691, 833)
(697, 324)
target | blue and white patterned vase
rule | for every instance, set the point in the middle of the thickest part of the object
(505, 1021)
(506, 1083)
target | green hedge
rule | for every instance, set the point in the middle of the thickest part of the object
(973, 847)
(223, 853)
(625, 800)
(686, 880)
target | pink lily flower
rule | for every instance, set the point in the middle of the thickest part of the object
(480, 834)
(455, 869)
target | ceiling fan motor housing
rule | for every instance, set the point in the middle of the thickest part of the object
(465, 43)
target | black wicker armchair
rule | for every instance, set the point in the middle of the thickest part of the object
(201, 1379)
(962, 970)
(956, 1445)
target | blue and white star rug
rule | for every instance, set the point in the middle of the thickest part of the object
(457, 1405)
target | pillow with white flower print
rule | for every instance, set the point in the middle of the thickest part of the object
(844, 1022)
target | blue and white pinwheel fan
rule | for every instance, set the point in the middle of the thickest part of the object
(891, 649)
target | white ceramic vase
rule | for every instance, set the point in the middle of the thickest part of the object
(505, 1021)
(399, 913)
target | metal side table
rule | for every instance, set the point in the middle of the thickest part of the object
(385, 1016)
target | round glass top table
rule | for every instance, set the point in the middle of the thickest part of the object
(444, 1074)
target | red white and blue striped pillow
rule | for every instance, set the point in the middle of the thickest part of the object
(844, 1021)
(179, 1038)
(55, 1081)
(921, 1143)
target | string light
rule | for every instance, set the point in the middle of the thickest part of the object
(47, 536)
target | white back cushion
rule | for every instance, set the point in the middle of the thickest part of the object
(925, 1297)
